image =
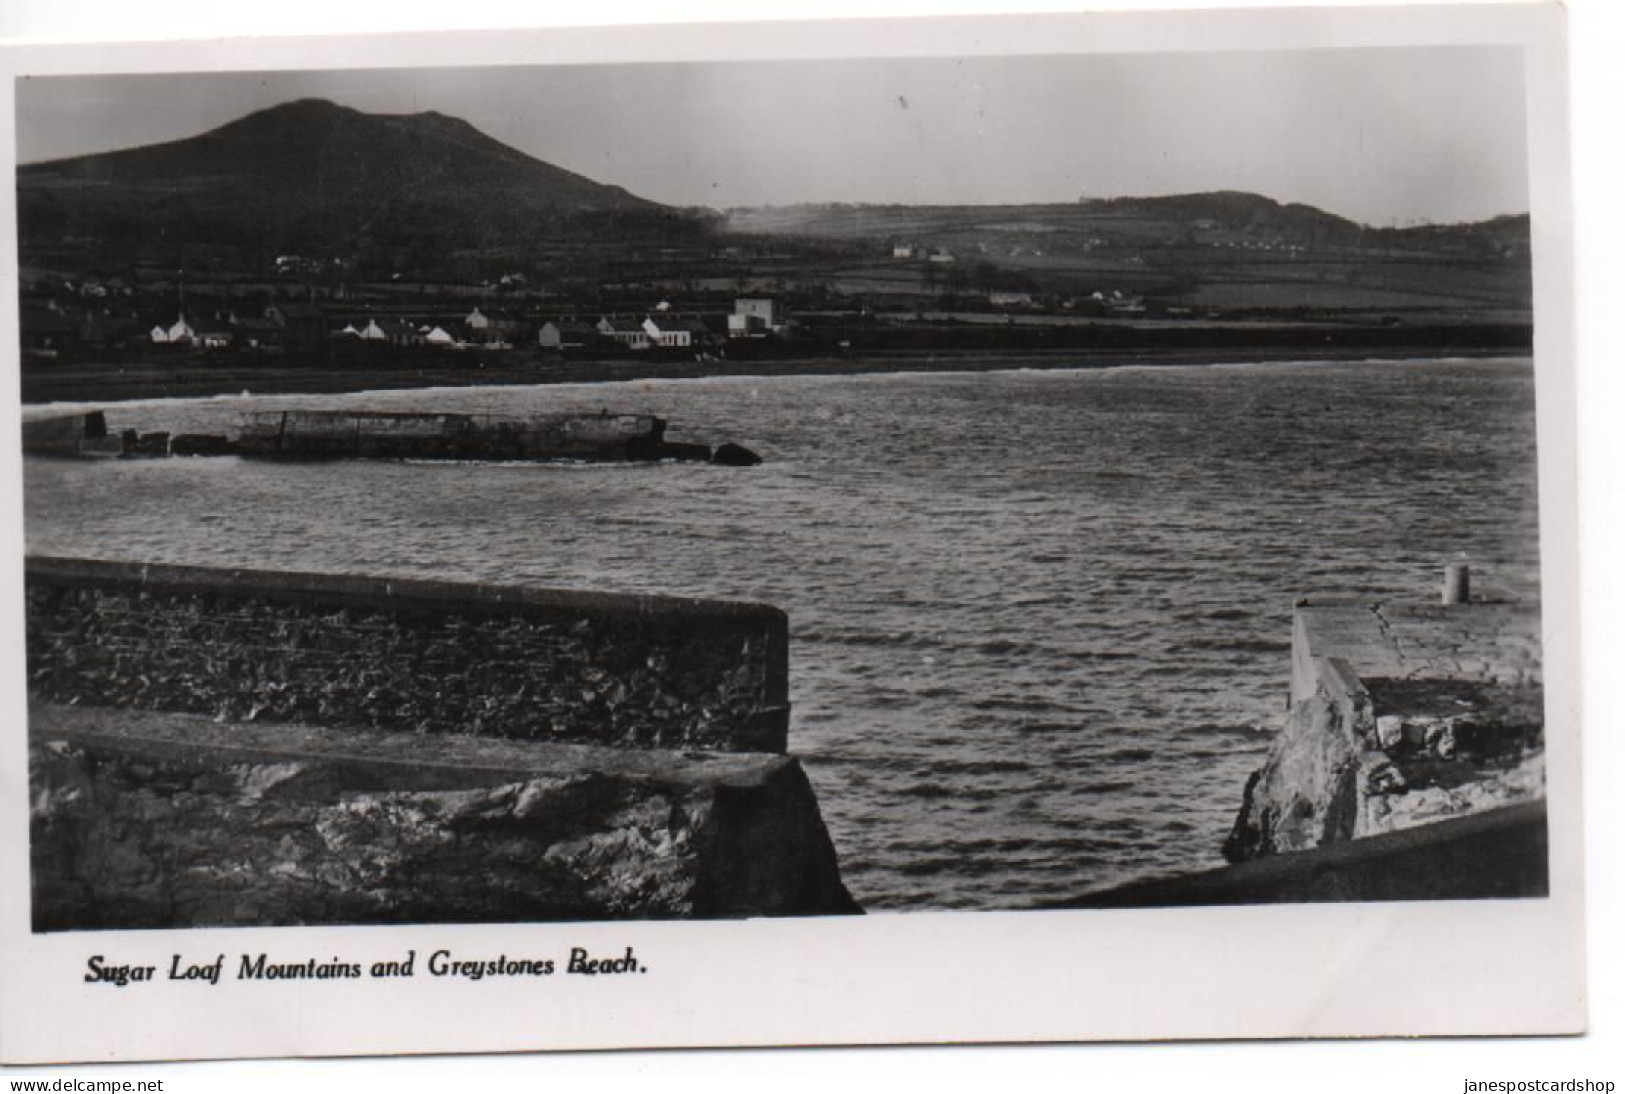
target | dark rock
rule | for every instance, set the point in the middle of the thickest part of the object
(145, 445)
(688, 453)
(1247, 835)
(733, 455)
(200, 444)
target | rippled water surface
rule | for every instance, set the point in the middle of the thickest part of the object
(1040, 620)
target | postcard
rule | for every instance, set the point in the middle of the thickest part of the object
(1056, 528)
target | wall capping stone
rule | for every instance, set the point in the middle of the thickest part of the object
(629, 670)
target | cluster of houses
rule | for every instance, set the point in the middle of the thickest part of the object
(914, 252)
(663, 328)
(304, 325)
(1118, 301)
(50, 329)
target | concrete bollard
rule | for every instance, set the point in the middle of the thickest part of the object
(1457, 584)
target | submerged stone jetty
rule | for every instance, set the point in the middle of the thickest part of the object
(378, 434)
(83, 435)
(220, 747)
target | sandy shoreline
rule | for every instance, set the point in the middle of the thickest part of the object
(80, 382)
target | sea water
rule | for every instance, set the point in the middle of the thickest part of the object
(1040, 621)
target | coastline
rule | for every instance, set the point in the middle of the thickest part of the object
(90, 382)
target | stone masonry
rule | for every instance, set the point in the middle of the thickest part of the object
(1400, 716)
(409, 656)
(225, 747)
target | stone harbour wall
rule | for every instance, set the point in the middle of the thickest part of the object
(230, 747)
(1401, 717)
(410, 656)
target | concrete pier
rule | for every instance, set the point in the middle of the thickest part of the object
(1401, 715)
(1411, 765)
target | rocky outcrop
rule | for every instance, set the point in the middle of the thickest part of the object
(1307, 792)
(145, 820)
(733, 455)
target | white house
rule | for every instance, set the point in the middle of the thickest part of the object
(669, 333)
(627, 332)
(764, 308)
(755, 317)
(180, 331)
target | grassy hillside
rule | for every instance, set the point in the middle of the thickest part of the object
(1221, 251)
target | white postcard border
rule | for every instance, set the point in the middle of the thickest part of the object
(1487, 967)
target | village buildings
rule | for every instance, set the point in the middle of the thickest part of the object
(756, 317)
(565, 335)
(207, 321)
(623, 331)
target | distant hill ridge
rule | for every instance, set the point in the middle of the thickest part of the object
(1235, 210)
(1231, 209)
(1223, 218)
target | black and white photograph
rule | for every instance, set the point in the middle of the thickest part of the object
(810, 488)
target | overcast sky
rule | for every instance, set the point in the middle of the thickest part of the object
(1381, 135)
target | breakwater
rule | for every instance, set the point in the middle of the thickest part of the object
(398, 435)
(1401, 715)
(217, 746)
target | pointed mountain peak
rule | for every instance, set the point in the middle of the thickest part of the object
(316, 173)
